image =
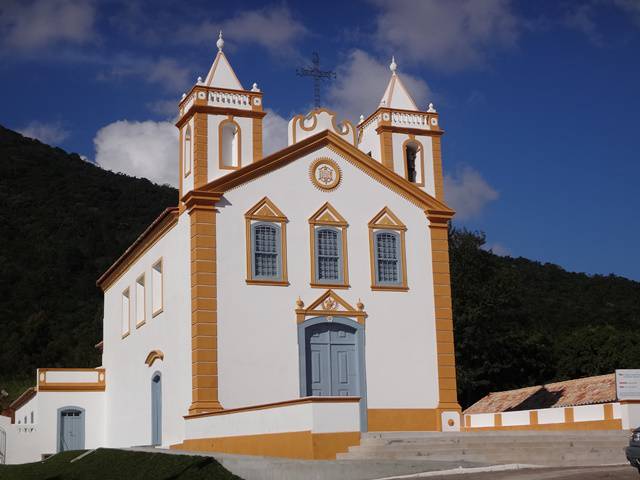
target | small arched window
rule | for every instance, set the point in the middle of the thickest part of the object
(411, 150)
(229, 145)
(266, 248)
(187, 151)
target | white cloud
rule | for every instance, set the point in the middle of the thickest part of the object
(50, 133)
(467, 192)
(580, 17)
(446, 34)
(166, 108)
(361, 82)
(273, 28)
(142, 149)
(166, 72)
(29, 25)
(498, 249)
(274, 132)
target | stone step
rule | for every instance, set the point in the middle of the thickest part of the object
(541, 456)
(437, 443)
(502, 434)
(373, 450)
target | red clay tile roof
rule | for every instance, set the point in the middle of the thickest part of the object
(582, 391)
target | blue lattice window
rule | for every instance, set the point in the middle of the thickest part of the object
(328, 259)
(266, 255)
(387, 258)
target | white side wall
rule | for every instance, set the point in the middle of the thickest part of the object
(314, 417)
(257, 330)
(128, 390)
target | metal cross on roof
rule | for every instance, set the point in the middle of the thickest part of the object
(317, 75)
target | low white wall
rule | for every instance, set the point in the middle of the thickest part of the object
(547, 416)
(320, 417)
(550, 415)
(587, 413)
(482, 420)
(72, 376)
(515, 418)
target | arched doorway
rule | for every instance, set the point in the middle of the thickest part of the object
(156, 409)
(71, 423)
(332, 360)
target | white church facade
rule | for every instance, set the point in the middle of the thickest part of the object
(285, 305)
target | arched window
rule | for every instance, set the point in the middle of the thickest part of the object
(411, 150)
(266, 246)
(229, 145)
(187, 151)
(387, 262)
(328, 255)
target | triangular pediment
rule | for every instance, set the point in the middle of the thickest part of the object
(221, 74)
(387, 219)
(327, 215)
(434, 208)
(265, 209)
(330, 301)
(397, 96)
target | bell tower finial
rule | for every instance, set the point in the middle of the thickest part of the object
(220, 42)
(393, 66)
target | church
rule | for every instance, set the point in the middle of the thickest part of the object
(285, 305)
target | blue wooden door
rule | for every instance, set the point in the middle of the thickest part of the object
(71, 430)
(332, 362)
(156, 410)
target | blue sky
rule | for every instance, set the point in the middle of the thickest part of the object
(539, 100)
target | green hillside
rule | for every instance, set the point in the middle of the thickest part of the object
(63, 221)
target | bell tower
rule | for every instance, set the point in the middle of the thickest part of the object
(404, 138)
(220, 125)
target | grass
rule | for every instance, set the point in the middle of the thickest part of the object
(111, 464)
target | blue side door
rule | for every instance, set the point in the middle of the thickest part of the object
(156, 410)
(71, 430)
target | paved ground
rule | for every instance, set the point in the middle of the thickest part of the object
(588, 473)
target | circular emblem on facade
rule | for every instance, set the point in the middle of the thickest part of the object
(256, 101)
(385, 116)
(325, 174)
(434, 121)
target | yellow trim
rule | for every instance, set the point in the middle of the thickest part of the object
(312, 174)
(153, 356)
(299, 120)
(200, 150)
(326, 305)
(403, 419)
(438, 177)
(204, 314)
(221, 125)
(160, 262)
(303, 445)
(266, 211)
(387, 220)
(98, 386)
(327, 215)
(614, 424)
(144, 300)
(257, 139)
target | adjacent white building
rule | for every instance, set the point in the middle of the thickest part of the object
(285, 305)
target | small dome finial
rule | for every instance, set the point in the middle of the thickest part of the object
(254, 87)
(361, 118)
(220, 42)
(394, 66)
(432, 108)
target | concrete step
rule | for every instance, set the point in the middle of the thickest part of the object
(379, 443)
(542, 448)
